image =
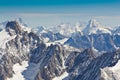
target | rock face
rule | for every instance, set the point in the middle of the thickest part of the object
(47, 34)
(51, 62)
(92, 72)
(52, 36)
(17, 49)
(101, 42)
(84, 65)
(13, 27)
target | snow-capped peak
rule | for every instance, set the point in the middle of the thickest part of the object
(17, 21)
(93, 23)
(80, 26)
(38, 29)
(9, 30)
(64, 29)
(95, 27)
(21, 22)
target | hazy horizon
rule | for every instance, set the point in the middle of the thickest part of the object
(50, 13)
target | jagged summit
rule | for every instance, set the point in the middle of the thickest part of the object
(95, 27)
(17, 21)
(13, 27)
(93, 23)
(21, 22)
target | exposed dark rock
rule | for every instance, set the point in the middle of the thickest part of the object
(13, 28)
(17, 49)
(52, 63)
(92, 71)
(101, 42)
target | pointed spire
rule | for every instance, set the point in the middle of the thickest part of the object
(93, 23)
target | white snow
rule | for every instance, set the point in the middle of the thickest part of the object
(64, 29)
(94, 49)
(4, 38)
(45, 40)
(70, 48)
(95, 28)
(26, 71)
(18, 69)
(31, 71)
(43, 31)
(65, 74)
(111, 73)
(61, 41)
(26, 28)
(57, 42)
(98, 30)
(79, 26)
(116, 68)
(45, 67)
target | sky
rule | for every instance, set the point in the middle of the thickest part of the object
(53, 12)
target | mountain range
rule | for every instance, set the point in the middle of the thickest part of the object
(64, 52)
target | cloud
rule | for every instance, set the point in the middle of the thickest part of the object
(49, 14)
(107, 17)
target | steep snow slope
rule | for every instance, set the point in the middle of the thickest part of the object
(18, 69)
(4, 38)
(111, 73)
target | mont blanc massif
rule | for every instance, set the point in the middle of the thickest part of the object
(84, 51)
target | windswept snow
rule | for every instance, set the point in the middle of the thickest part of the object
(18, 69)
(64, 75)
(116, 68)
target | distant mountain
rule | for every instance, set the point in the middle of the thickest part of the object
(20, 21)
(117, 30)
(64, 29)
(2, 25)
(95, 27)
(47, 35)
(68, 29)
(101, 42)
(95, 36)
